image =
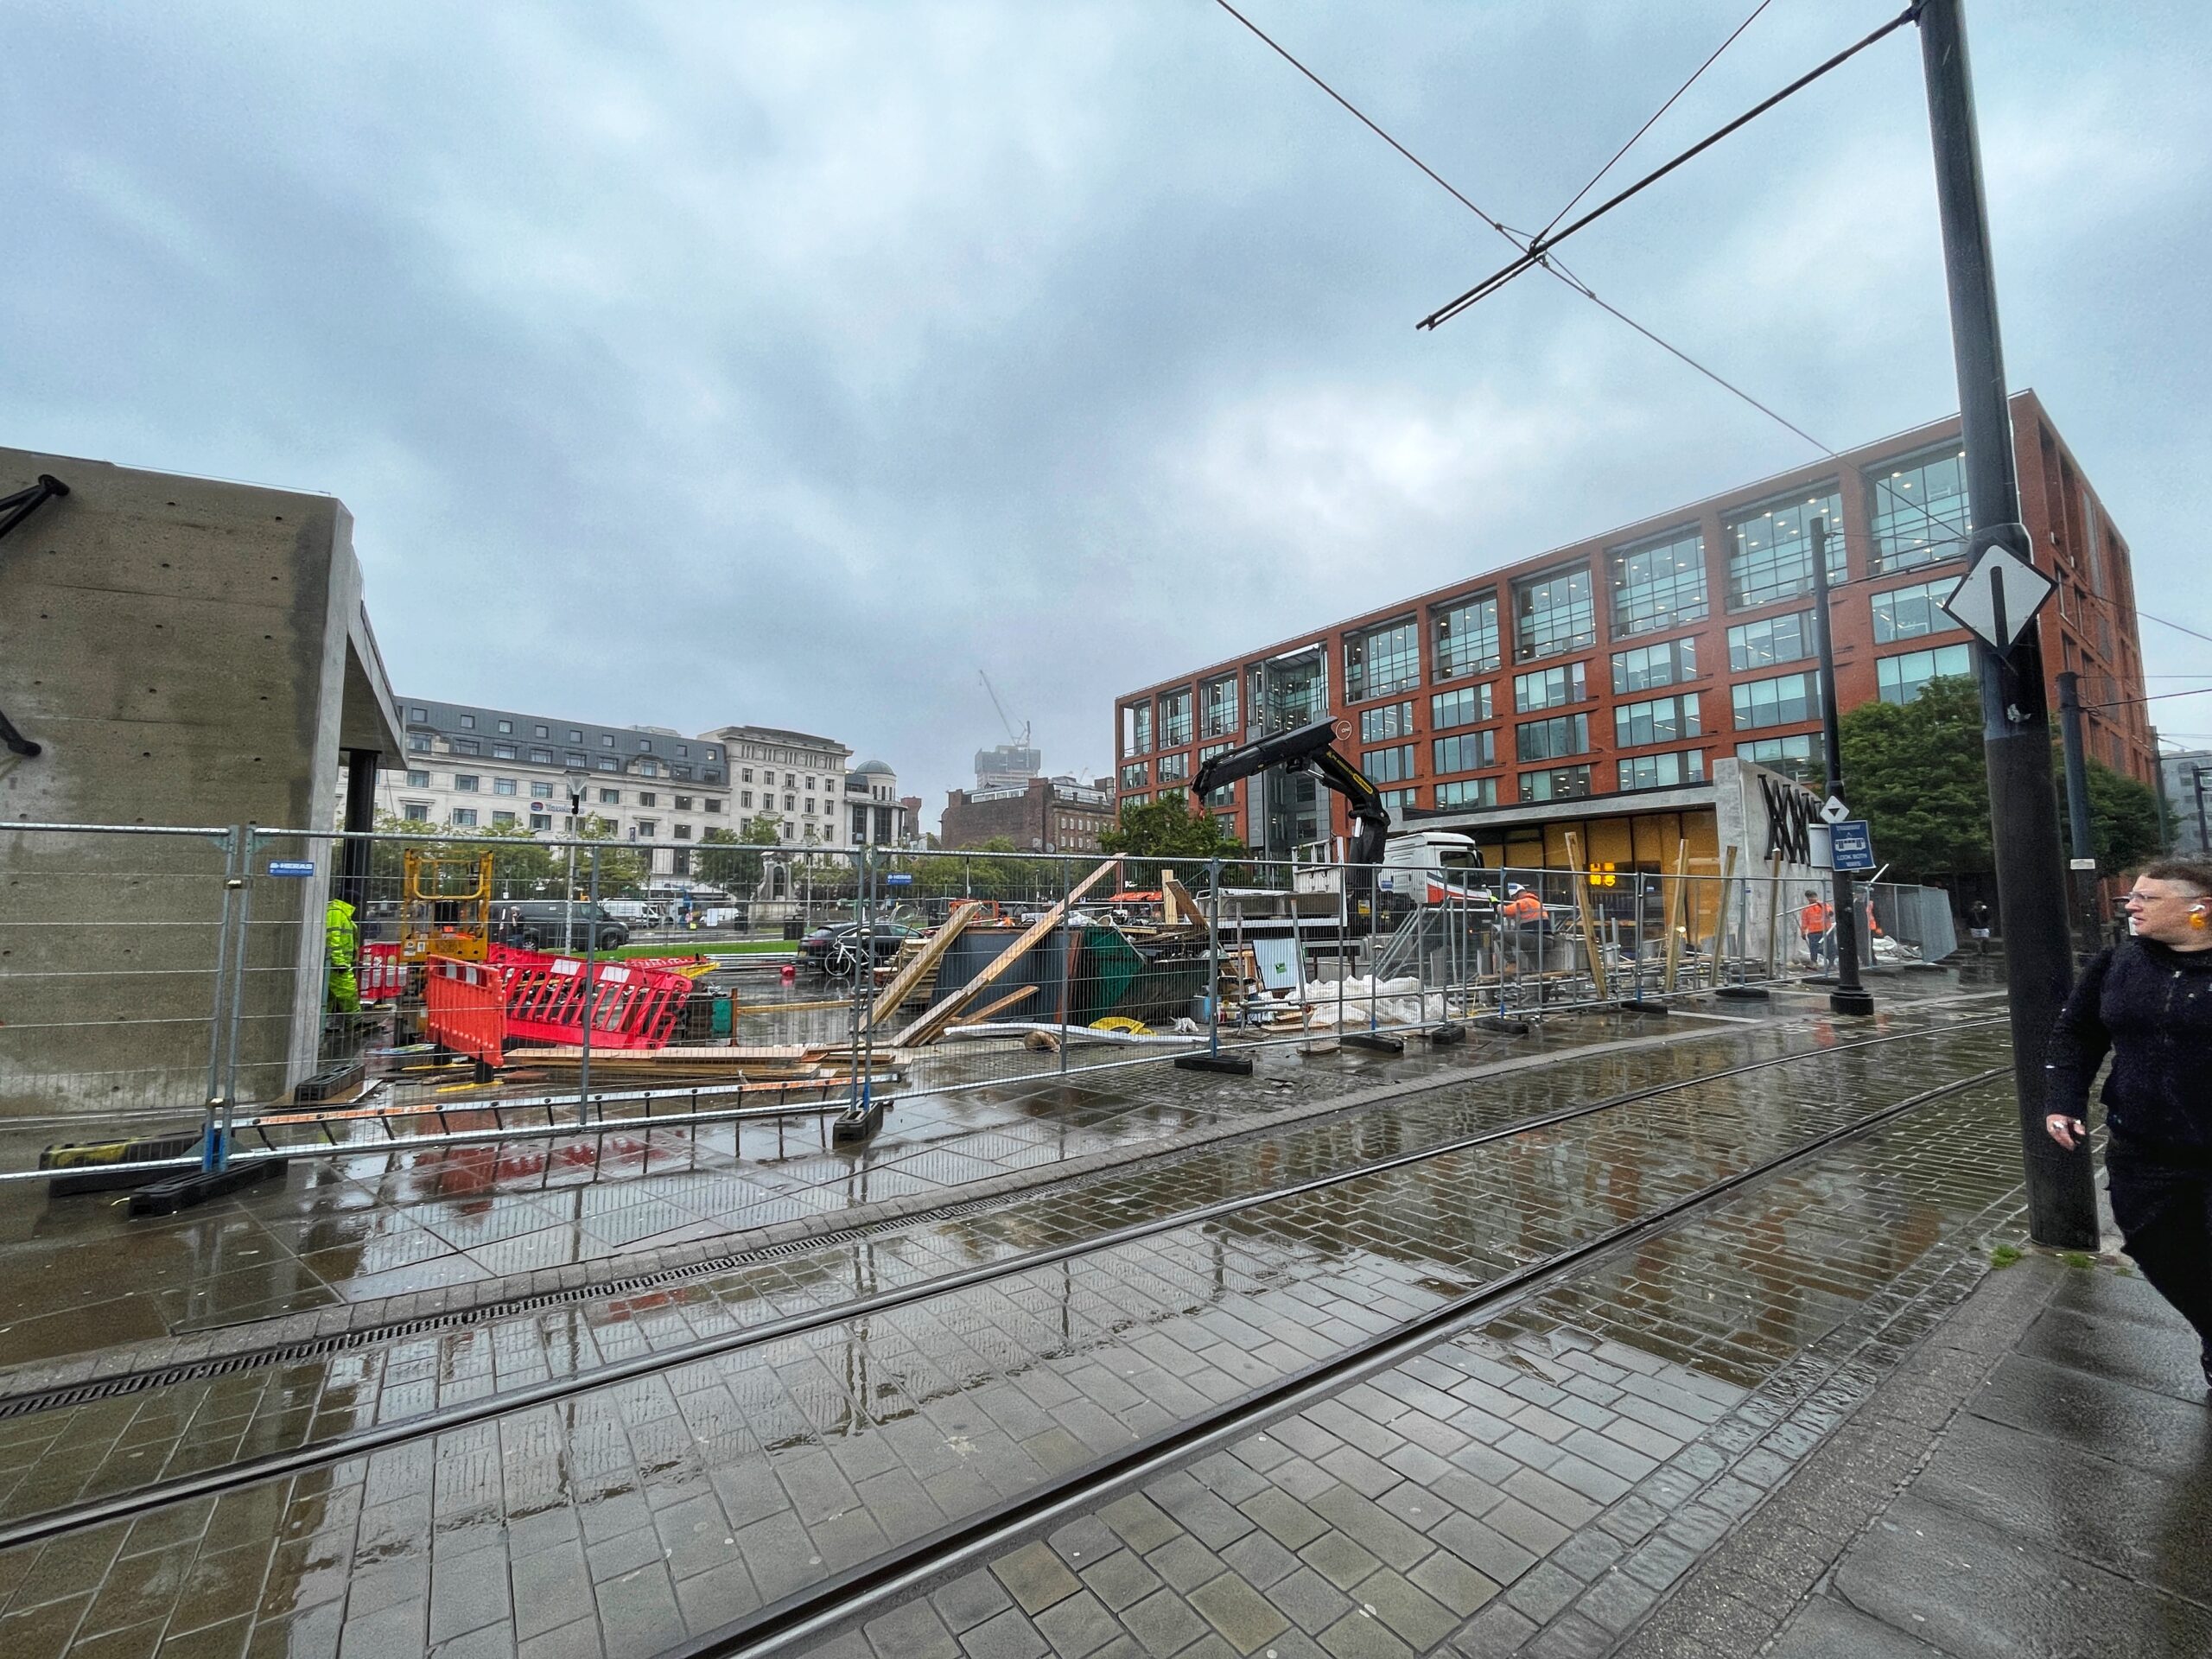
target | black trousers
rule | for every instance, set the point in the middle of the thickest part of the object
(2164, 1206)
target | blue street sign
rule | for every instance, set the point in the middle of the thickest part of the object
(291, 867)
(1852, 845)
(897, 880)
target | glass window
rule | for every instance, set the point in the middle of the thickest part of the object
(1649, 667)
(503, 786)
(466, 746)
(578, 758)
(1908, 613)
(647, 797)
(1466, 638)
(1753, 645)
(539, 731)
(1553, 615)
(465, 781)
(1174, 768)
(712, 805)
(540, 757)
(1545, 739)
(418, 715)
(645, 746)
(683, 832)
(419, 745)
(1661, 719)
(1659, 585)
(1461, 708)
(1468, 791)
(465, 817)
(1227, 792)
(1391, 765)
(468, 722)
(1395, 800)
(745, 799)
(1902, 678)
(1777, 701)
(414, 811)
(1802, 755)
(610, 797)
(1663, 771)
(503, 817)
(1381, 660)
(1137, 774)
(608, 763)
(1769, 551)
(1921, 511)
(539, 821)
(606, 739)
(1175, 720)
(1463, 753)
(541, 792)
(1549, 688)
(1391, 720)
(1136, 728)
(418, 779)
(647, 828)
(1559, 784)
(1217, 708)
(507, 728)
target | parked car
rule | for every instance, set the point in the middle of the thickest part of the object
(835, 949)
(556, 925)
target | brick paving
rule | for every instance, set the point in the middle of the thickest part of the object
(634, 1513)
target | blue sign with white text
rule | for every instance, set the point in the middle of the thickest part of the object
(291, 867)
(897, 880)
(1852, 845)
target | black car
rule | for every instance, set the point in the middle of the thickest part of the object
(556, 925)
(835, 949)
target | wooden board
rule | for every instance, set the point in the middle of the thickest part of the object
(1675, 912)
(1593, 947)
(909, 978)
(999, 1006)
(1177, 908)
(937, 1017)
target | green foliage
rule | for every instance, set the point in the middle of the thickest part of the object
(1170, 827)
(2127, 821)
(1915, 773)
(2004, 1255)
(729, 858)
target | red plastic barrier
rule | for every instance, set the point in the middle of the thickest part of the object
(634, 1007)
(465, 1008)
(379, 972)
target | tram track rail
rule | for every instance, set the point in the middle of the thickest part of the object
(847, 1600)
(113, 1384)
(238, 1474)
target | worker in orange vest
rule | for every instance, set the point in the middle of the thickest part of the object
(1816, 924)
(1521, 906)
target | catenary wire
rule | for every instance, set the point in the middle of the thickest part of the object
(1575, 199)
(1535, 250)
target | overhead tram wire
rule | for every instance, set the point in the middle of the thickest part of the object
(1653, 122)
(1534, 252)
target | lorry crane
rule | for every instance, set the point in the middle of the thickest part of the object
(1312, 749)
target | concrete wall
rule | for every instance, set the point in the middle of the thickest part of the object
(187, 652)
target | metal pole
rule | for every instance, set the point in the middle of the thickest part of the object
(251, 843)
(2015, 734)
(1067, 956)
(233, 882)
(1850, 995)
(2081, 839)
(591, 984)
(1213, 954)
(864, 986)
(360, 821)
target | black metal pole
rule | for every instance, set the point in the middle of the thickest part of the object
(2196, 782)
(360, 820)
(1850, 994)
(2081, 839)
(2015, 723)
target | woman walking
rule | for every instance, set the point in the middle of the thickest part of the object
(2148, 1003)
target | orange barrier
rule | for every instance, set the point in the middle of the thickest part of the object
(380, 972)
(465, 1008)
(633, 1006)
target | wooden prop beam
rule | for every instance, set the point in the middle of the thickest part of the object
(903, 984)
(935, 1018)
(1594, 948)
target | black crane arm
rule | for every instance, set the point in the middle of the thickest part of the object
(1310, 748)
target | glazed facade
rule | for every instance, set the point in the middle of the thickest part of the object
(1634, 660)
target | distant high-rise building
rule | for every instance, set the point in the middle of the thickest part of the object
(1010, 766)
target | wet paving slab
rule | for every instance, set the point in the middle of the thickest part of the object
(680, 1501)
(393, 1223)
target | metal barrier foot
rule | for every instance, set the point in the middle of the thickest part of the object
(1638, 1005)
(1503, 1026)
(1743, 992)
(197, 1186)
(854, 1127)
(1449, 1031)
(1234, 1065)
(1375, 1041)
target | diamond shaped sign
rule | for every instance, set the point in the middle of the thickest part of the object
(1834, 810)
(1998, 598)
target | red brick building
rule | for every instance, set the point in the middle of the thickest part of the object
(1632, 661)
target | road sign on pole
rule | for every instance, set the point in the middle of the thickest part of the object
(1834, 810)
(1998, 598)
(1851, 843)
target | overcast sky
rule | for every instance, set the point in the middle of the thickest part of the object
(699, 364)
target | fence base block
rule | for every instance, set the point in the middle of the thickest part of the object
(1743, 992)
(1638, 1005)
(1503, 1026)
(853, 1127)
(197, 1186)
(1450, 1032)
(1375, 1041)
(1234, 1065)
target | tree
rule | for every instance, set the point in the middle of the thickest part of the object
(1170, 827)
(731, 859)
(1915, 772)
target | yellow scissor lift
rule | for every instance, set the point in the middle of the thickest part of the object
(445, 906)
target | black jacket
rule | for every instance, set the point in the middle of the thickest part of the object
(2151, 1008)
